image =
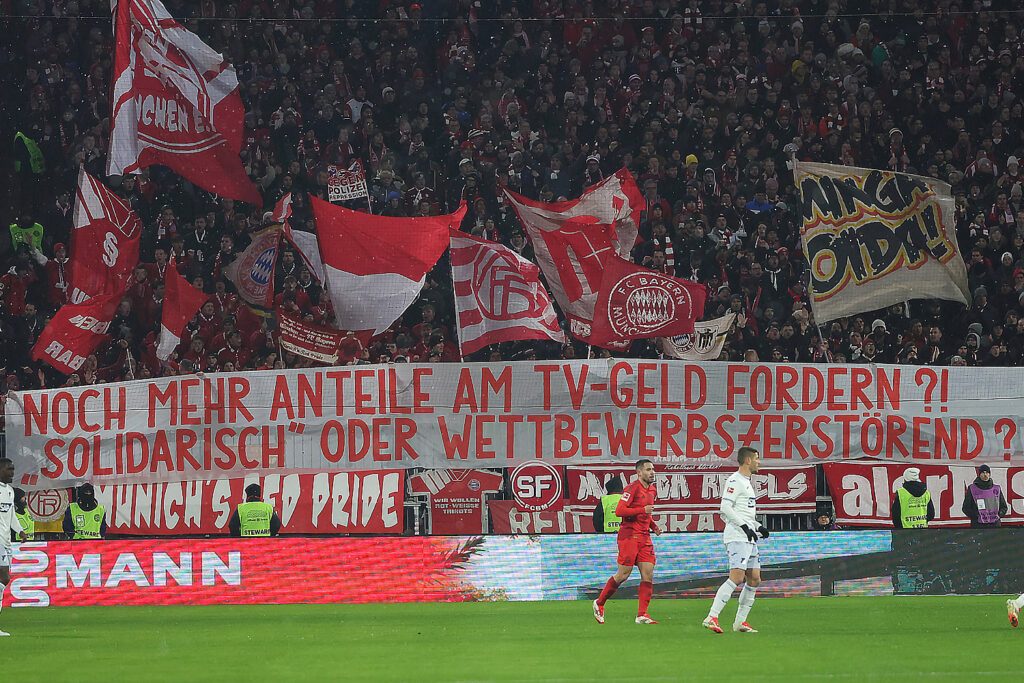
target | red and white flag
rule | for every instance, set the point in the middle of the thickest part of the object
(252, 272)
(637, 303)
(498, 295)
(175, 103)
(309, 250)
(104, 241)
(375, 266)
(181, 303)
(76, 331)
(573, 240)
(282, 210)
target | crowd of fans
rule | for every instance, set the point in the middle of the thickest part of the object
(707, 103)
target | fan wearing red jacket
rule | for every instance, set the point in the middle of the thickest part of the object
(635, 508)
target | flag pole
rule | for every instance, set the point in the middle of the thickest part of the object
(588, 351)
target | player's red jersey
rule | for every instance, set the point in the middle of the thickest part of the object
(635, 522)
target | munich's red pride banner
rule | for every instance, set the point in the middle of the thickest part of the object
(324, 503)
(862, 492)
(456, 498)
(498, 415)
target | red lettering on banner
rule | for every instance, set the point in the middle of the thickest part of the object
(644, 391)
(620, 441)
(510, 421)
(566, 443)
(420, 397)
(694, 378)
(189, 408)
(455, 443)
(364, 400)
(83, 419)
(772, 443)
(697, 444)
(666, 402)
(576, 388)
(621, 397)
(590, 445)
(796, 426)
(500, 385)
(465, 393)
(538, 422)
(483, 442)
(812, 380)
(788, 379)
(311, 396)
(732, 391)
(546, 372)
(282, 400)
(214, 402)
(835, 399)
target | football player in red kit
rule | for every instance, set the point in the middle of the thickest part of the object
(635, 508)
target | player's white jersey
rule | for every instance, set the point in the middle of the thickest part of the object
(738, 507)
(8, 520)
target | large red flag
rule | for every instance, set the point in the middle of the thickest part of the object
(181, 303)
(176, 103)
(375, 266)
(498, 295)
(76, 331)
(104, 241)
(573, 240)
(636, 303)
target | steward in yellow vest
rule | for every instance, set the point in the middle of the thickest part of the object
(28, 525)
(912, 507)
(254, 518)
(85, 519)
(605, 519)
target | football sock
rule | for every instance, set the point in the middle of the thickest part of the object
(3, 587)
(645, 592)
(722, 598)
(746, 602)
(608, 591)
(1019, 602)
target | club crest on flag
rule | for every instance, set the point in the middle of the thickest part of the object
(701, 341)
(501, 289)
(643, 303)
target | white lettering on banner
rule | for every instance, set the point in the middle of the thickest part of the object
(575, 519)
(125, 571)
(506, 414)
(863, 492)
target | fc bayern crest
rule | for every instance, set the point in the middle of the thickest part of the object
(641, 304)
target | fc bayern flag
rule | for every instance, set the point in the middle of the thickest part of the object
(253, 271)
(498, 295)
(76, 331)
(181, 303)
(104, 241)
(636, 303)
(175, 103)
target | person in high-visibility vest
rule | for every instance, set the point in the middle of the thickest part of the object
(605, 519)
(28, 525)
(85, 519)
(254, 518)
(912, 506)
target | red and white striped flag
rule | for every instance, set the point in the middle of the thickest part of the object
(181, 303)
(176, 103)
(498, 295)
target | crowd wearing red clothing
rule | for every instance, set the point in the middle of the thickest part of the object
(707, 103)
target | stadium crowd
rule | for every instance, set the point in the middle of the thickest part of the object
(707, 103)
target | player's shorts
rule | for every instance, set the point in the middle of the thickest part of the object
(743, 555)
(633, 551)
(5, 556)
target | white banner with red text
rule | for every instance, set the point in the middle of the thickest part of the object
(863, 492)
(324, 503)
(458, 416)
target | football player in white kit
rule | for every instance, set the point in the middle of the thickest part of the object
(741, 534)
(1013, 608)
(8, 522)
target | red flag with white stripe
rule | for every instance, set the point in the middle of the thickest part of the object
(181, 303)
(176, 103)
(375, 266)
(104, 241)
(498, 295)
(574, 239)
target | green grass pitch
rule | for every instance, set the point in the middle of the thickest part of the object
(801, 639)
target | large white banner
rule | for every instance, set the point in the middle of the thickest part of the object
(502, 414)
